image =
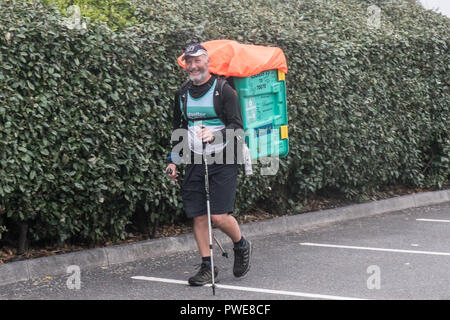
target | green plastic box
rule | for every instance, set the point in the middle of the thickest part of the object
(264, 111)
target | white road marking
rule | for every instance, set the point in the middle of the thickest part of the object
(160, 280)
(260, 290)
(375, 249)
(433, 220)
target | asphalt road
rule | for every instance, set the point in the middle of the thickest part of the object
(388, 256)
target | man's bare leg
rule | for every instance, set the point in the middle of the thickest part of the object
(228, 225)
(225, 222)
(201, 235)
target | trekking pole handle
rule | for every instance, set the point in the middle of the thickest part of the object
(169, 172)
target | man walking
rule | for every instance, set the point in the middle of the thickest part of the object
(206, 106)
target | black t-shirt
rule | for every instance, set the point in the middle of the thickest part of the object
(229, 108)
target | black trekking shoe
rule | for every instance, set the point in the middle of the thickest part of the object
(203, 276)
(242, 259)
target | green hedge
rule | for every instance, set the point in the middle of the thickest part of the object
(85, 114)
(116, 14)
(83, 125)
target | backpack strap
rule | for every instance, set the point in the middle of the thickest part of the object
(183, 96)
(218, 97)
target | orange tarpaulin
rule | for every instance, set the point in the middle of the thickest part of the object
(230, 58)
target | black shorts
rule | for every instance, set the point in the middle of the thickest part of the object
(222, 189)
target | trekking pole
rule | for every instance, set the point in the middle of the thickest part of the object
(224, 253)
(208, 210)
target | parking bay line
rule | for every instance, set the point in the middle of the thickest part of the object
(433, 220)
(374, 249)
(249, 289)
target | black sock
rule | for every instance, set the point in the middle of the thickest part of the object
(206, 260)
(240, 243)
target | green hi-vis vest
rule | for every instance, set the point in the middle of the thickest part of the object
(201, 112)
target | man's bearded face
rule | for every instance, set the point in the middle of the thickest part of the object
(197, 68)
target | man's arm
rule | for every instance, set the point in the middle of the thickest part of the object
(231, 108)
(177, 123)
(231, 111)
(171, 169)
